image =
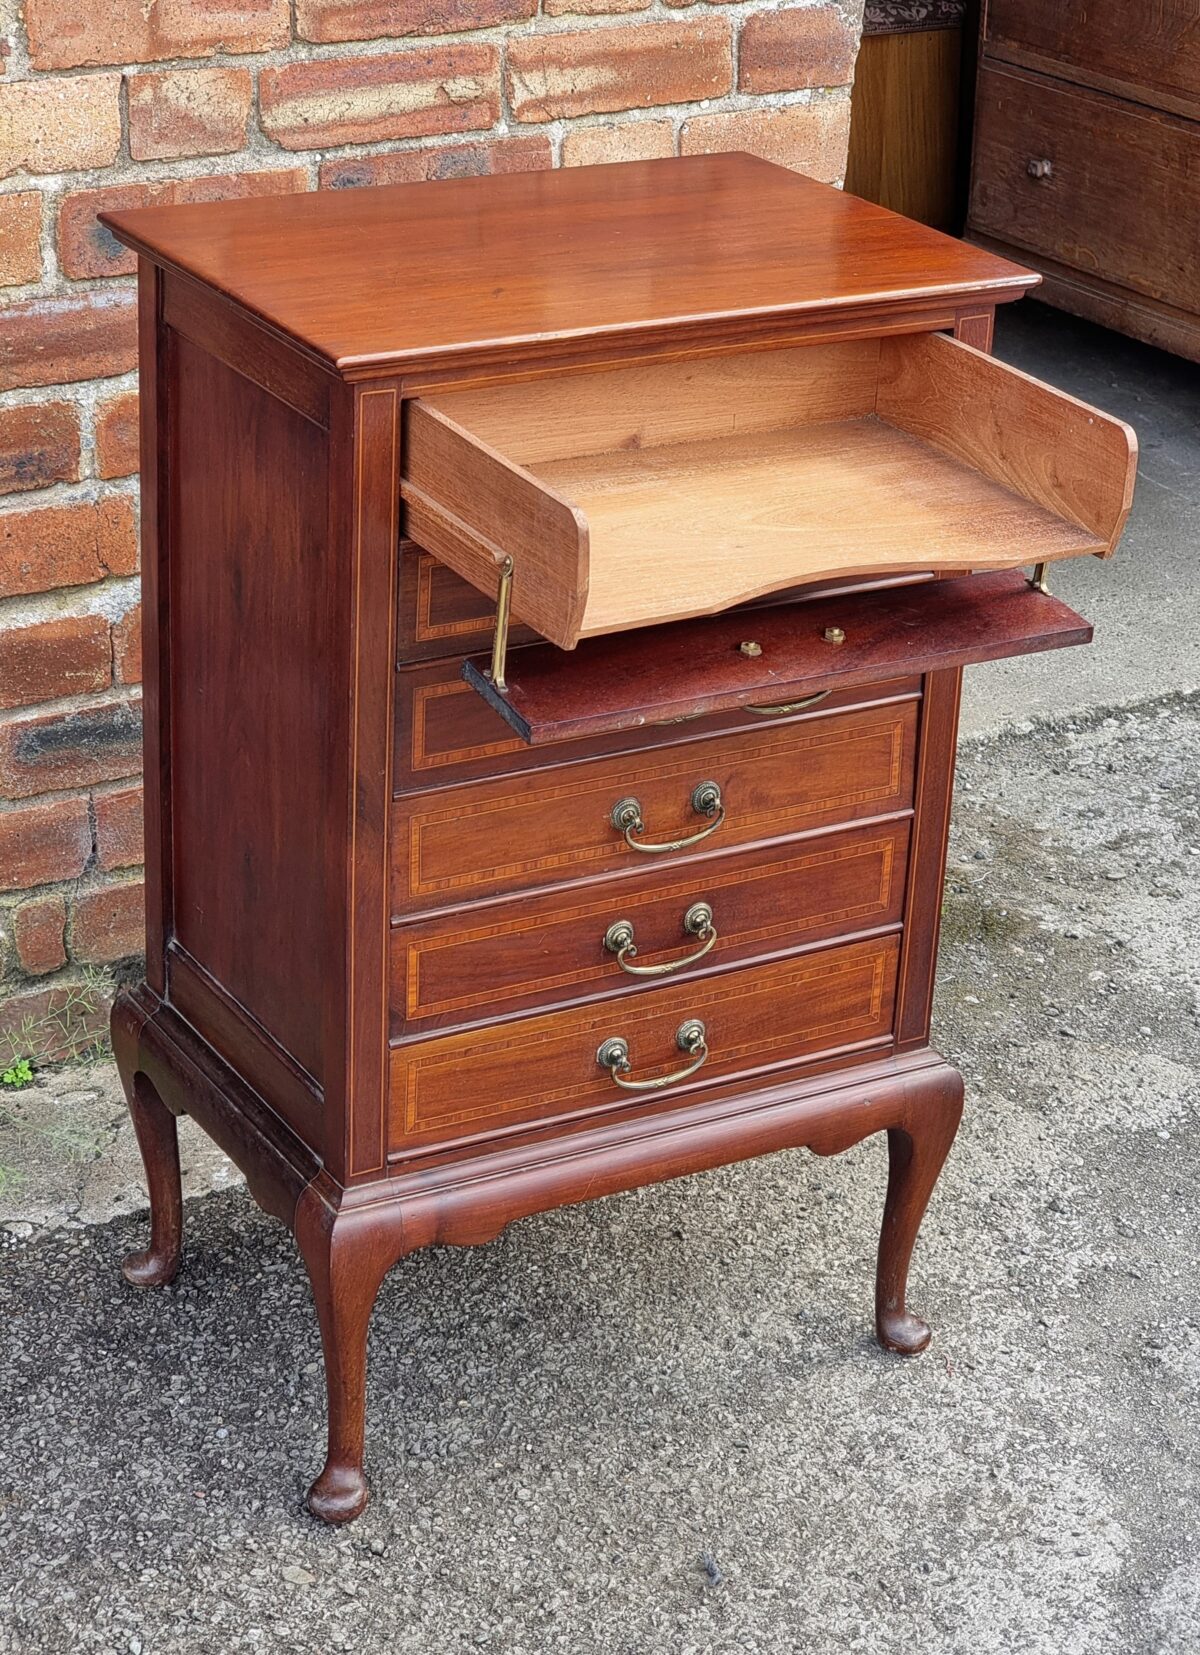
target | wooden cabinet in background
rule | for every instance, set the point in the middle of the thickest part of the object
(1086, 158)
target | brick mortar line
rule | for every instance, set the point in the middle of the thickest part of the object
(299, 49)
(111, 696)
(53, 186)
(86, 790)
(260, 149)
(86, 491)
(112, 597)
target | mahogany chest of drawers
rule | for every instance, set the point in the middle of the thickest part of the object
(556, 592)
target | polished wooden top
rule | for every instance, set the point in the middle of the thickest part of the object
(374, 278)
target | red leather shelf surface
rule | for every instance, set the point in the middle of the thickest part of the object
(695, 667)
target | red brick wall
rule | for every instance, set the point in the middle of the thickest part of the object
(119, 102)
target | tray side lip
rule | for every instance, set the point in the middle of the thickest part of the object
(438, 417)
(1076, 405)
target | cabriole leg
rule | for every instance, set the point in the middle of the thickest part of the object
(345, 1266)
(158, 1140)
(917, 1151)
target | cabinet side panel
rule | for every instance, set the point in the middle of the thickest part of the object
(256, 797)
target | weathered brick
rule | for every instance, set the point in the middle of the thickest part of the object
(585, 146)
(60, 750)
(41, 843)
(366, 100)
(61, 124)
(86, 248)
(127, 647)
(39, 445)
(809, 138)
(69, 656)
(781, 51)
(38, 928)
(369, 19)
(117, 436)
(20, 237)
(174, 112)
(109, 924)
(67, 34)
(119, 828)
(599, 71)
(59, 341)
(66, 545)
(591, 8)
(55, 1023)
(531, 153)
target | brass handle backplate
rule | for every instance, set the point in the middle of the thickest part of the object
(697, 922)
(626, 817)
(691, 1037)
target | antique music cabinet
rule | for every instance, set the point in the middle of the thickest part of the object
(556, 593)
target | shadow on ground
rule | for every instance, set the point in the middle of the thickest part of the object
(658, 1423)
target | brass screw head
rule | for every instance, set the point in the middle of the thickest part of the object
(750, 648)
(834, 635)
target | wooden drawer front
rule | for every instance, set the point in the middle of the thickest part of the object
(759, 1018)
(462, 844)
(1150, 52)
(440, 613)
(551, 949)
(445, 733)
(1122, 197)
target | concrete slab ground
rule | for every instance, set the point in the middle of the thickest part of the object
(658, 1423)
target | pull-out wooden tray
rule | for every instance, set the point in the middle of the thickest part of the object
(645, 494)
(699, 667)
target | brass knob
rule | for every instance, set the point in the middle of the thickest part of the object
(834, 635)
(1039, 167)
(751, 649)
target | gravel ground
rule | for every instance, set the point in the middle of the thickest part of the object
(658, 1423)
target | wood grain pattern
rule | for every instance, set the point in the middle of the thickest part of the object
(439, 612)
(1167, 327)
(560, 417)
(698, 667)
(457, 490)
(464, 844)
(758, 1018)
(497, 267)
(253, 747)
(934, 790)
(735, 478)
(1045, 446)
(447, 732)
(904, 124)
(154, 483)
(373, 451)
(1149, 53)
(461, 969)
(232, 337)
(1120, 202)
